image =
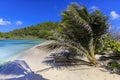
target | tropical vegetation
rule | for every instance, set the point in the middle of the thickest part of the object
(81, 32)
(40, 31)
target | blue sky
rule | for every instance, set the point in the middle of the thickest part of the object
(16, 14)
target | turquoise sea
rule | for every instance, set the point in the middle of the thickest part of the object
(10, 49)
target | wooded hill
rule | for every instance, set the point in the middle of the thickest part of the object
(44, 30)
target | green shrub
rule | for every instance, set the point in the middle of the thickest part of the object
(110, 44)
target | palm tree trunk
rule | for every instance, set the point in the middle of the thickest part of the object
(91, 58)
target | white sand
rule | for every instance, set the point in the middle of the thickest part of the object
(34, 57)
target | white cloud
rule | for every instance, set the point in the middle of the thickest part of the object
(4, 22)
(94, 8)
(19, 22)
(114, 15)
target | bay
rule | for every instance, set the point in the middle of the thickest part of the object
(10, 49)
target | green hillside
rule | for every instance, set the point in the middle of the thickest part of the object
(44, 30)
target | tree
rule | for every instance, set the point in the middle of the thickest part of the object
(81, 31)
(43, 30)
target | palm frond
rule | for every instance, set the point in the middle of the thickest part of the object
(79, 20)
(80, 31)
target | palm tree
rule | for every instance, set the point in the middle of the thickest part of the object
(80, 32)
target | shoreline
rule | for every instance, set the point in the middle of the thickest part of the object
(18, 54)
(35, 56)
(23, 54)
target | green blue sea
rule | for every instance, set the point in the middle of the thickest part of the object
(10, 49)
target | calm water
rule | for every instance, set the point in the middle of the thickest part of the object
(10, 49)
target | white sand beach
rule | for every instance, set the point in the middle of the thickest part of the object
(35, 56)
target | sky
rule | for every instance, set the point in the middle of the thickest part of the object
(15, 14)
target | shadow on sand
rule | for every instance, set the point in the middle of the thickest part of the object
(62, 64)
(29, 76)
(18, 70)
(74, 65)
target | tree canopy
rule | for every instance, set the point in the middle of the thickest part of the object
(40, 31)
(81, 31)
